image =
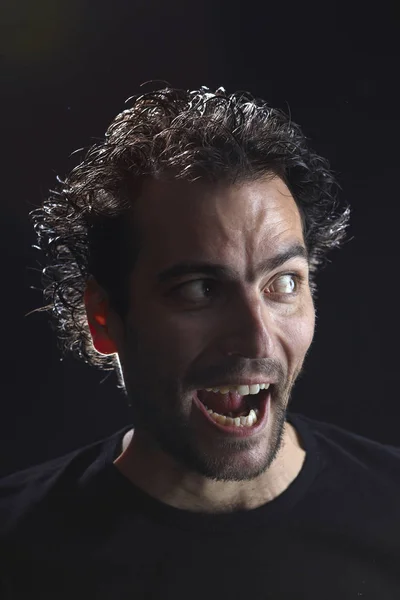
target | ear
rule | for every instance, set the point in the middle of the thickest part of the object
(99, 318)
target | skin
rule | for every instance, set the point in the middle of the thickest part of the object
(173, 342)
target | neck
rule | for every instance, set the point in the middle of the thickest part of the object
(162, 478)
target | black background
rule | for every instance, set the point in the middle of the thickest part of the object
(66, 69)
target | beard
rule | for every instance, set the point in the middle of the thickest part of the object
(163, 414)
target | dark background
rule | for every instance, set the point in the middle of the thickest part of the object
(66, 69)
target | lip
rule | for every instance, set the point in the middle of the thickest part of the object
(241, 432)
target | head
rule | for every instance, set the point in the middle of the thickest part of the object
(182, 252)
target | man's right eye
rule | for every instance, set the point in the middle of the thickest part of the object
(192, 290)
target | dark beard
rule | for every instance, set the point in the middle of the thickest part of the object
(171, 430)
(163, 414)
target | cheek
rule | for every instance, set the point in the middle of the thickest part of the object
(172, 342)
(159, 339)
(298, 333)
(183, 338)
(306, 326)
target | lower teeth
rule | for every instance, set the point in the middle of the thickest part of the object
(235, 421)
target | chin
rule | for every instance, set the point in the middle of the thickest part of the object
(231, 462)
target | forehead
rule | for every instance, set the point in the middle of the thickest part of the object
(232, 223)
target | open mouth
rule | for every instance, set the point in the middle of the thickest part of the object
(245, 417)
(234, 411)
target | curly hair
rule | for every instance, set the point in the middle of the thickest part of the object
(170, 133)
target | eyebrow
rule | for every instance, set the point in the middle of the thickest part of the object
(270, 264)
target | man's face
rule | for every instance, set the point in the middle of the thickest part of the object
(186, 332)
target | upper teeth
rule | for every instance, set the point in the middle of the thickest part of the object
(243, 390)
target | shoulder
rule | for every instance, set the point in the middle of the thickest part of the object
(42, 486)
(22, 491)
(348, 449)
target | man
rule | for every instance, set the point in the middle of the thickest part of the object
(182, 253)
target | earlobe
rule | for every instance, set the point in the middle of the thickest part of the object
(104, 345)
(97, 312)
(101, 341)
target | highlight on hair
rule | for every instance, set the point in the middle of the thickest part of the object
(170, 133)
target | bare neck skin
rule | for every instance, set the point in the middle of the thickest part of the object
(162, 478)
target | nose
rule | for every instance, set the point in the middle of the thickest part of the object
(248, 327)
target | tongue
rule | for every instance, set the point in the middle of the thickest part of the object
(223, 403)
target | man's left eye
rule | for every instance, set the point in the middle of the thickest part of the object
(285, 284)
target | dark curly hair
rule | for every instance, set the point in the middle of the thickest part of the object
(170, 133)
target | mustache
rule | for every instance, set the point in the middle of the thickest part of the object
(268, 369)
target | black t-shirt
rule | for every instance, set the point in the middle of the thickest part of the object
(75, 527)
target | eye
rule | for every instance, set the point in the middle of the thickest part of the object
(285, 284)
(200, 290)
(195, 290)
